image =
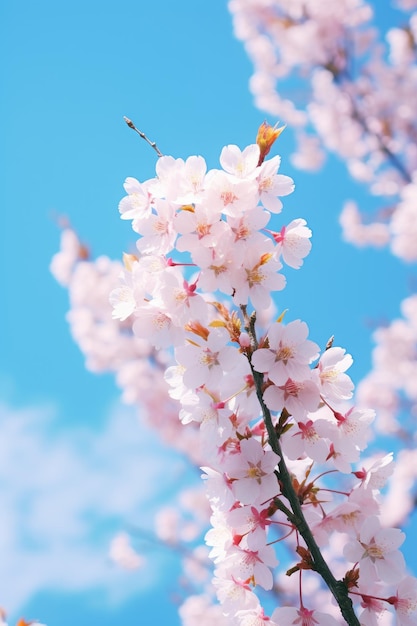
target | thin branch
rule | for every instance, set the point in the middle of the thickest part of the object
(337, 587)
(143, 136)
(357, 115)
(391, 157)
(296, 515)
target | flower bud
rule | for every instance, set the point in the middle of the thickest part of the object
(265, 138)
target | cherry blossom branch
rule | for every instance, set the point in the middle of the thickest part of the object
(391, 157)
(360, 101)
(221, 378)
(356, 115)
(143, 136)
(337, 587)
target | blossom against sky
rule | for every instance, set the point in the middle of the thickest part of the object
(73, 71)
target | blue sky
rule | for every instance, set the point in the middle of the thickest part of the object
(71, 71)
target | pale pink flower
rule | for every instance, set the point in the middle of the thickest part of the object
(293, 242)
(218, 488)
(399, 499)
(355, 231)
(137, 205)
(207, 363)
(191, 188)
(198, 226)
(344, 518)
(376, 551)
(298, 397)
(404, 225)
(214, 417)
(272, 185)
(202, 611)
(376, 473)
(169, 178)
(348, 433)
(154, 323)
(247, 227)
(367, 501)
(181, 298)
(123, 302)
(289, 353)
(247, 519)
(309, 155)
(374, 608)
(220, 537)
(241, 164)
(335, 384)
(233, 593)
(64, 261)
(254, 617)
(122, 553)
(258, 276)
(303, 439)
(376, 390)
(218, 264)
(125, 297)
(302, 617)
(232, 195)
(157, 230)
(252, 472)
(244, 564)
(405, 602)
(401, 47)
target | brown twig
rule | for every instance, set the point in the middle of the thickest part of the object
(143, 136)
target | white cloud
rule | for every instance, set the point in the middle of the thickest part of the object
(64, 492)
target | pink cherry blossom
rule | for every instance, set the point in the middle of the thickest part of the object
(272, 185)
(298, 397)
(137, 205)
(122, 553)
(199, 225)
(293, 242)
(158, 234)
(252, 472)
(405, 601)
(64, 261)
(232, 195)
(254, 617)
(302, 617)
(303, 439)
(258, 276)
(234, 594)
(192, 182)
(335, 384)
(288, 355)
(376, 551)
(241, 164)
(245, 564)
(377, 473)
(207, 362)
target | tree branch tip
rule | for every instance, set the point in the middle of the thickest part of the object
(129, 122)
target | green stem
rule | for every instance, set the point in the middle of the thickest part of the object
(337, 587)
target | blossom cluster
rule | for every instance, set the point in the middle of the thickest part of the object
(392, 386)
(347, 86)
(358, 97)
(270, 405)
